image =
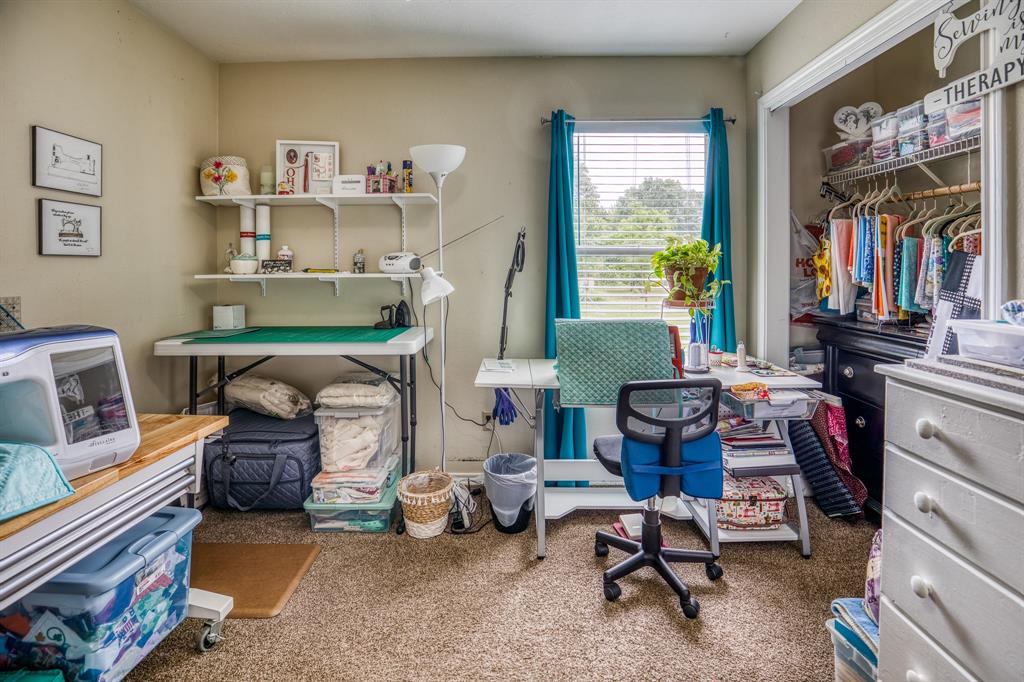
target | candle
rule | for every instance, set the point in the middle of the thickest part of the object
(266, 180)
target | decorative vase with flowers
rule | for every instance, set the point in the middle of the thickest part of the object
(682, 269)
(224, 175)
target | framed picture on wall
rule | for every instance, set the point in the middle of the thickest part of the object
(306, 166)
(65, 162)
(69, 229)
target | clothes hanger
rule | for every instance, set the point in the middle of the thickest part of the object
(960, 236)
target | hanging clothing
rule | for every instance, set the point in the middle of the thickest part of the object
(844, 291)
(908, 274)
(959, 299)
(822, 261)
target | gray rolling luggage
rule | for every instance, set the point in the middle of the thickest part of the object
(262, 462)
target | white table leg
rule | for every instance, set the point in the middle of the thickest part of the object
(538, 453)
(801, 510)
(713, 527)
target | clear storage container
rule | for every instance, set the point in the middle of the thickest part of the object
(938, 132)
(847, 154)
(851, 665)
(911, 143)
(911, 118)
(964, 119)
(885, 150)
(363, 518)
(885, 128)
(98, 619)
(357, 437)
(358, 486)
(782, 404)
(999, 342)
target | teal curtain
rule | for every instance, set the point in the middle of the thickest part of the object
(716, 227)
(565, 430)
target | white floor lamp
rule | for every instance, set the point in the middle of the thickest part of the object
(439, 160)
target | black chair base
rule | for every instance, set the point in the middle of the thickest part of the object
(649, 552)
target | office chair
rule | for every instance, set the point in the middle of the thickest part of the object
(681, 454)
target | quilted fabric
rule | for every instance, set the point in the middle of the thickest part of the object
(830, 491)
(595, 357)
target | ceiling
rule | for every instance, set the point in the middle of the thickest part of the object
(305, 30)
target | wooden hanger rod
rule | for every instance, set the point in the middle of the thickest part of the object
(941, 191)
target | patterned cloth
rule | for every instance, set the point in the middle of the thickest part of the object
(829, 423)
(830, 492)
(959, 299)
(822, 261)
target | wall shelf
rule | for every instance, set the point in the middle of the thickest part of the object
(331, 201)
(945, 151)
(334, 278)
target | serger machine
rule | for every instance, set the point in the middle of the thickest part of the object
(65, 389)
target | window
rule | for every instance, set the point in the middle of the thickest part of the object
(636, 183)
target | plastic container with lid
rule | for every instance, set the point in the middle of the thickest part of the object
(885, 128)
(847, 154)
(999, 342)
(751, 503)
(938, 132)
(964, 119)
(357, 437)
(913, 142)
(375, 517)
(851, 664)
(98, 619)
(885, 150)
(911, 118)
(358, 486)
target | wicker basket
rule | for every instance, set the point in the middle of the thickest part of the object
(426, 497)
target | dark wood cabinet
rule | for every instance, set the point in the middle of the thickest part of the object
(852, 349)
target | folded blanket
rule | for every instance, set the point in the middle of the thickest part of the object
(348, 443)
(850, 612)
(266, 396)
(356, 390)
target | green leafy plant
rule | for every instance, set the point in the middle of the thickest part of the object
(685, 266)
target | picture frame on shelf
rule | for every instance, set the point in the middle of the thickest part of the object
(306, 166)
(67, 228)
(66, 162)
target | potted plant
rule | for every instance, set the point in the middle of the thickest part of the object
(685, 267)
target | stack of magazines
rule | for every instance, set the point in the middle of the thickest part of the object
(743, 438)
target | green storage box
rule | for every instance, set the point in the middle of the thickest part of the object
(363, 518)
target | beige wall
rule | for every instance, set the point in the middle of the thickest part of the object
(105, 72)
(377, 109)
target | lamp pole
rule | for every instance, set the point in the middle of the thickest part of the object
(439, 181)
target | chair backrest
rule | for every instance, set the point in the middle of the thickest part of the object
(698, 418)
(596, 357)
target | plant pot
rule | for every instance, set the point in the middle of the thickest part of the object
(698, 279)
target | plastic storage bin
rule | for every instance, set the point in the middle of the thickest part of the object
(782, 404)
(885, 150)
(999, 342)
(358, 486)
(851, 665)
(99, 618)
(375, 517)
(847, 154)
(913, 142)
(938, 132)
(964, 119)
(911, 118)
(357, 437)
(885, 128)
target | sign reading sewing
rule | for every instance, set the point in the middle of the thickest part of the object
(1005, 19)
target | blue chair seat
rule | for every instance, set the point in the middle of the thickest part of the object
(608, 451)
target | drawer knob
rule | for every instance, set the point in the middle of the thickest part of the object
(914, 676)
(924, 502)
(859, 421)
(848, 372)
(920, 586)
(925, 429)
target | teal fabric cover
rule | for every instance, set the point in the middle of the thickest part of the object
(700, 474)
(29, 478)
(716, 227)
(596, 357)
(565, 435)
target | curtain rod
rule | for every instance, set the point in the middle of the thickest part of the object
(547, 121)
(942, 191)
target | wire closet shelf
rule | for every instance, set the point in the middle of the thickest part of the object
(947, 150)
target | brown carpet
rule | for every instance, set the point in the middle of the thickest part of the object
(260, 577)
(383, 607)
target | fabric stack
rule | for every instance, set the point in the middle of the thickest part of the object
(854, 628)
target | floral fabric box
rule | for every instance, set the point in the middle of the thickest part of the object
(756, 502)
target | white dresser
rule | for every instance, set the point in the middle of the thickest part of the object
(953, 520)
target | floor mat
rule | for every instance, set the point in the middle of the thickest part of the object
(260, 577)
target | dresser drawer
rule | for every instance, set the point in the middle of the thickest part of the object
(982, 446)
(865, 428)
(856, 376)
(907, 653)
(977, 621)
(985, 529)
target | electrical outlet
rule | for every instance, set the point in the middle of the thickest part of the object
(486, 418)
(11, 307)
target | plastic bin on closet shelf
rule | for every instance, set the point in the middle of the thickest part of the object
(964, 120)
(847, 154)
(99, 618)
(375, 517)
(885, 128)
(911, 118)
(357, 437)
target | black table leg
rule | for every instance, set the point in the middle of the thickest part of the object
(412, 412)
(403, 381)
(221, 398)
(193, 384)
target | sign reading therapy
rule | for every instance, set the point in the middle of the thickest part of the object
(1005, 19)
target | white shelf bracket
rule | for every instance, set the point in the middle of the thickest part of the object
(329, 203)
(335, 281)
(248, 203)
(261, 281)
(928, 171)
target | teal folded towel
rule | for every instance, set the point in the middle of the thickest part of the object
(29, 479)
(859, 629)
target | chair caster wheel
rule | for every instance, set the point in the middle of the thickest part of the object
(690, 608)
(612, 591)
(600, 549)
(714, 571)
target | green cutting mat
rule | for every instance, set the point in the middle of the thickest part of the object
(309, 335)
(213, 333)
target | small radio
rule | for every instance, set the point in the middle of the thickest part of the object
(400, 262)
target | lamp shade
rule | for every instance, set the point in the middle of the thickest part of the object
(434, 286)
(438, 158)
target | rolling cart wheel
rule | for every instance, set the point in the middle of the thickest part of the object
(400, 527)
(714, 571)
(612, 591)
(206, 639)
(690, 608)
(600, 549)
